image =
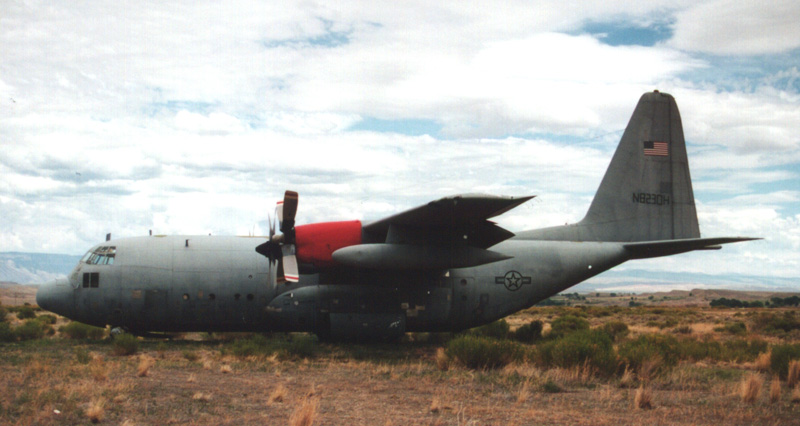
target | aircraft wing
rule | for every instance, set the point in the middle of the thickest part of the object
(453, 232)
(456, 216)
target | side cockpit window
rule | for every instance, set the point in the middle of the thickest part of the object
(104, 255)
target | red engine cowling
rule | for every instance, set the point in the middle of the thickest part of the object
(316, 242)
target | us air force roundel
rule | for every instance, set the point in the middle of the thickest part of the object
(513, 280)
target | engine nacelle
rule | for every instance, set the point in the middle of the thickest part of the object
(316, 242)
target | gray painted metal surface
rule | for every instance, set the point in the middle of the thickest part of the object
(442, 266)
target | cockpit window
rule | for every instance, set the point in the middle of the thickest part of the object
(101, 256)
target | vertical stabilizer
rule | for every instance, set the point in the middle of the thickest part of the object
(646, 193)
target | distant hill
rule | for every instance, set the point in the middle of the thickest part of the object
(35, 268)
(12, 294)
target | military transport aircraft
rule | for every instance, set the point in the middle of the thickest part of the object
(443, 266)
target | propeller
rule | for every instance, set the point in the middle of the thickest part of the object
(281, 248)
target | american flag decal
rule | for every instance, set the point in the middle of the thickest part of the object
(660, 149)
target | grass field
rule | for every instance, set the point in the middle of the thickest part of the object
(662, 365)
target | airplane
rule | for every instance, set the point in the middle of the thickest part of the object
(443, 266)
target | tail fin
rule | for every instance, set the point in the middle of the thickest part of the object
(646, 193)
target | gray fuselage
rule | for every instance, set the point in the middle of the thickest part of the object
(211, 283)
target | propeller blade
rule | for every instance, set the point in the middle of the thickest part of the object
(290, 270)
(271, 226)
(290, 200)
(279, 277)
(279, 211)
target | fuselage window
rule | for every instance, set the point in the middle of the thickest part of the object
(91, 280)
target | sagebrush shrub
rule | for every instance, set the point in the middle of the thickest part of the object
(125, 344)
(6, 333)
(78, 330)
(618, 330)
(498, 329)
(782, 355)
(530, 332)
(30, 330)
(585, 347)
(650, 347)
(567, 324)
(480, 352)
(26, 312)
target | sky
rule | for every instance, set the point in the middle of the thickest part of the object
(193, 117)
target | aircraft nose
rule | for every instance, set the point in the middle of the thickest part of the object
(55, 296)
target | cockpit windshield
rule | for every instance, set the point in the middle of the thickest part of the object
(100, 256)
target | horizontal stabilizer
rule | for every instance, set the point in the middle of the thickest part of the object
(643, 250)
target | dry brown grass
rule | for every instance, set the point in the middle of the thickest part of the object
(794, 374)
(98, 370)
(225, 369)
(524, 392)
(750, 388)
(436, 405)
(775, 390)
(649, 369)
(277, 395)
(145, 362)
(305, 414)
(398, 385)
(796, 394)
(96, 410)
(442, 360)
(763, 361)
(627, 380)
(643, 398)
(201, 396)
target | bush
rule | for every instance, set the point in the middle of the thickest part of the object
(592, 347)
(566, 324)
(781, 355)
(498, 330)
(776, 323)
(30, 330)
(302, 346)
(617, 330)
(78, 331)
(26, 312)
(291, 346)
(6, 333)
(3, 314)
(530, 332)
(741, 350)
(737, 328)
(480, 352)
(46, 319)
(125, 344)
(650, 348)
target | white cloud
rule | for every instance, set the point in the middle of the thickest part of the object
(744, 27)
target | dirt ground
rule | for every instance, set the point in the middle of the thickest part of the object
(50, 387)
(55, 381)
